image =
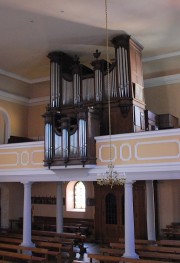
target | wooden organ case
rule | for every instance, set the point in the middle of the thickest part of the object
(78, 109)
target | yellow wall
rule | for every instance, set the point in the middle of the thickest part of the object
(40, 90)
(36, 121)
(14, 86)
(163, 99)
(18, 115)
(49, 190)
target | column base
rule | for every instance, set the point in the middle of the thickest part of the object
(130, 255)
(27, 244)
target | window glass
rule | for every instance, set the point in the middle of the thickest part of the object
(79, 195)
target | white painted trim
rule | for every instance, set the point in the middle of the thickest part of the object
(13, 98)
(38, 101)
(25, 80)
(121, 152)
(163, 56)
(139, 135)
(23, 145)
(107, 146)
(159, 157)
(161, 81)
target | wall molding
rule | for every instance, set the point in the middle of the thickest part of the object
(161, 81)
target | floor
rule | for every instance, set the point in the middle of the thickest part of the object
(90, 248)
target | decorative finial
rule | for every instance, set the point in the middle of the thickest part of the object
(76, 59)
(97, 54)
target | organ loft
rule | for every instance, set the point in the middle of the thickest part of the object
(78, 108)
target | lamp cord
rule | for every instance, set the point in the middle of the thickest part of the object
(108, 81)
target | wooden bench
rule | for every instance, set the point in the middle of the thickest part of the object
(76, 238)
(24, 257)
(111, 251)
(140, 241)
(164, 242)
(36, 250)
(105, 258)
(159, 255)
(56, 247)
(10, 240)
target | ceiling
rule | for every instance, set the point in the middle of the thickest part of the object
(32, 29)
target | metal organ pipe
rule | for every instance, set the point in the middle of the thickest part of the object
(82, 138)
(67, 92)
(48, 140)
(58, 145)
(127, 74)
(76, 85)
(74, 144)
(87, 89)
(98, 85)
(65, 143)
(55, 84)
(122, 72)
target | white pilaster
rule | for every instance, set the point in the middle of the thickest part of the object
(27, 216)
(59, 208)
(129, 222)
(150, 211)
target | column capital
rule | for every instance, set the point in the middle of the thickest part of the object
(129, 182)
(26, 183)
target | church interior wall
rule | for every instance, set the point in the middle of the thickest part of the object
(163, 99)
(18, 115)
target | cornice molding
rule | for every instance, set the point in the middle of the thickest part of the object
(160, 81)
(20, 78)
(163, 56)
(148, 83)
(6, 96)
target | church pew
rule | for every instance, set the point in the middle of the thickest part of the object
(104, 258)
(36, 250)
(16, 255)
(56, 246)
(77, 238)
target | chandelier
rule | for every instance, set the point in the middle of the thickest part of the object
(110, 177)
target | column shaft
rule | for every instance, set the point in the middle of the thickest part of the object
(129, 223)
(150, 211)
(59, 208)
(27, 216)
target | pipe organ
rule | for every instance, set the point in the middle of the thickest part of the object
(78, 108)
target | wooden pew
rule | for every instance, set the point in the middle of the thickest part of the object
(77, 238)
(15, 255)
(167, 242)
(52, 246)
(159, 255)
(102, 258)
(35, 250)
(111, 251)
(140, 241)
(10, 240)
(146, 251)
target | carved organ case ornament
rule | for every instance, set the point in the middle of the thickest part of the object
(78, 108)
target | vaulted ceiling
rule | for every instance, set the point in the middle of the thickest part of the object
(31, 29)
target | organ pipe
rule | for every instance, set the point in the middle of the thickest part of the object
(55, 84)
(48, 141)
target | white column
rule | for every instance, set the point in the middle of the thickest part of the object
(59, 208)
(150, 211)
(27, 216)
(129, 222)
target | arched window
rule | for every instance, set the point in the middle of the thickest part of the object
(79, 195)
(5, 126)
